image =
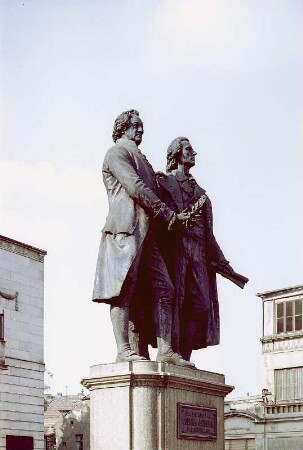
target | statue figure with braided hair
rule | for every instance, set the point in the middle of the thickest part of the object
(129, 258)
(192, 254)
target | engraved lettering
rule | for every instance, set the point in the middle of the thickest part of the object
(197, 422)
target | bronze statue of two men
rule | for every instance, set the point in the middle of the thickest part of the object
(158, 256)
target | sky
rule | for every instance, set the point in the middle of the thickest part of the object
(226, 74)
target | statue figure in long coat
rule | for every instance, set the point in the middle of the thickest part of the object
(128, 253)
(192, 254)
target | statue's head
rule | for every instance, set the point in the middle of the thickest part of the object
(179, 151)
(129, 126)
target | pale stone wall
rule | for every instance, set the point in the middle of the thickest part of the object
(64, 419)
(268, 318)
(280, 355)
(21, 384)
(75, 422)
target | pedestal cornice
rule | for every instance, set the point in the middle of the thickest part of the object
(153, 374)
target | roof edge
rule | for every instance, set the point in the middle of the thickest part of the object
(22, 244)
(275, 292)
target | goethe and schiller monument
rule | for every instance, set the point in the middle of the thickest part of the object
(156, 268)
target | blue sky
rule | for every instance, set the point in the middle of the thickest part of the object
(226, 74)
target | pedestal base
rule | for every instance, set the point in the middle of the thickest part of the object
(155, 406)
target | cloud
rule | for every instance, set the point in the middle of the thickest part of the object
(37, 197)
(221, 35)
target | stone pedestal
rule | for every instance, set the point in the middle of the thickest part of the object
(155, 406)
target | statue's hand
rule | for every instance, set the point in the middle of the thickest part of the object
(182, 217)
(177, 220)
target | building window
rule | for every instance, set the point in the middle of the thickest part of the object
(289, 384)
(289, 316)
(19, 442)
(79, 441)
(240, 444)
(2, 327)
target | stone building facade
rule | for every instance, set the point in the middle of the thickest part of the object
(67, 423)
(282, 344)
(21, 346)
(273, 420)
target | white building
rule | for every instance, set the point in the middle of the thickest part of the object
(21, 346)
(282, 343)
(273, 420)
(67, 422)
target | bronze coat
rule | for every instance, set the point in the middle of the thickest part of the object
(130, 184)
(182, 247)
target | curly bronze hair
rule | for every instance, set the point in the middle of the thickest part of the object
(122, 123)
(173, 153)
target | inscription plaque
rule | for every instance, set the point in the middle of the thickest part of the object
(196, 422)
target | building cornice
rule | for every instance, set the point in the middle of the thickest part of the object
(282, 337)
(13, 246)
(162, 380)
(285, 292)
(154, 374)
(247, 415)
(10, 296)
